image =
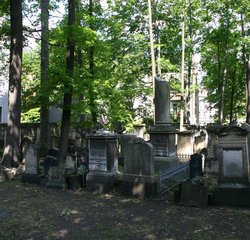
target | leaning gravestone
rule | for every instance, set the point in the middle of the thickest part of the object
(138, 179)
(30, 159)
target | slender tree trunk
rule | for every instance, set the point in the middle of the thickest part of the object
(232, 97)
(183, 75)
(151, 48)
(224, 82)
(44, 113)
(67, 100)
(248, 90)
(92, 69)
(190, 95)
(246, 65)
(11, 154)
(219, 80)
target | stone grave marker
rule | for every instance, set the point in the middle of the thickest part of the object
(31, 164)
(31, 160)
(103, 161)
(138, 178)
(56, 177)
(51, 160)
(194, 195)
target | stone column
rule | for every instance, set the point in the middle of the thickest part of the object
(162, 101)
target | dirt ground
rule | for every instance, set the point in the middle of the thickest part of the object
(30, 212)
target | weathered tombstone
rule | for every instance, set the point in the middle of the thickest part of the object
(51, 160)
(103, 161)
(56, 177)
(124, 139)
(233, 171)
(194, 195)
(138, 178)
(195, 165)
(162, 134)
(31, 165)
(233, 155)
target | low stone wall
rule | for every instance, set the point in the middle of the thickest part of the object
(30, 131)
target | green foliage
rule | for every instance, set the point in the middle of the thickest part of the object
(30, 87)
(112, 57)
(31, 116)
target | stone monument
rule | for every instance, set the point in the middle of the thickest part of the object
(103, 161)
(30, 159)
(162, 134)
(138, 178)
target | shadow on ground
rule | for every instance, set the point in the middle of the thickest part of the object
(34, 212)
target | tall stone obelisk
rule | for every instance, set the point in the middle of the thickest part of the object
(162, 134)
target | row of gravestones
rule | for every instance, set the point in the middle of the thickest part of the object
(138, 178)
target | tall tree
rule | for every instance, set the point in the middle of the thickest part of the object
(68, 85)
(11, 154)
(44, 112)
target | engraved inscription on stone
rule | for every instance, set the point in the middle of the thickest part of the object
(232, 163)
(31, 162)
(160, 146)
(97, 157)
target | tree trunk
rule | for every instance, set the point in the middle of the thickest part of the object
(246, 65)
(44, 113)
(183, 44)
(232, 96)
(151, 48)
(91, 69)
(67, 100)
(11, 154)
(225, 77)
(248, 90)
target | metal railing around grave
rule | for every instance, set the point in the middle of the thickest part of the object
(172, 177)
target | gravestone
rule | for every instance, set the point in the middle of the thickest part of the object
(195, 165)
(103, 161)
(233, 154)
(31, 160)
(124, 139)
(31, 164)
(138, 178)
(56, 176)
(162, 134)
(51, 160)
(193, 194)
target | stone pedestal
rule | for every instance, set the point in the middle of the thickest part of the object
(162, 134)
(103, 161)
(162, 137)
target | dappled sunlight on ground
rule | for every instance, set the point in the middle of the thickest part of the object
(41, 213)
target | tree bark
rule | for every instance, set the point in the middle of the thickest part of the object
(92, 69)
(44, 113)
(246, 65)
(11, 154)
(248, 90)
(67, 100)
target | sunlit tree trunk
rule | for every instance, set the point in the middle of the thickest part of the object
(92, 69)
(225, 73)
(151, 47)
(44, 113)
(246, 65)
(68, 89)
(11, 154)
